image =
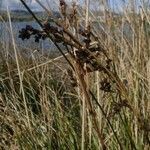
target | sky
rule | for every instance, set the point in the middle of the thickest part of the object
(15, 4)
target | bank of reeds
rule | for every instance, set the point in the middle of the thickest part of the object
(94, 96)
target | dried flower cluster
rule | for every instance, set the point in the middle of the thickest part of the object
(63, 7)
(27, 32)
(118, 106)
(87, 54)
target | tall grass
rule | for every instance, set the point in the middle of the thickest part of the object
(59, 103)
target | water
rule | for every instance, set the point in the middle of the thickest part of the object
(44, 46)
(6, 37)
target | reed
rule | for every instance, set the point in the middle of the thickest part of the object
(94, 96)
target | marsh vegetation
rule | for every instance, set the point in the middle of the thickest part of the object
(88, 89)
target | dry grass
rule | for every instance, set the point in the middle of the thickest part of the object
(43, 105)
